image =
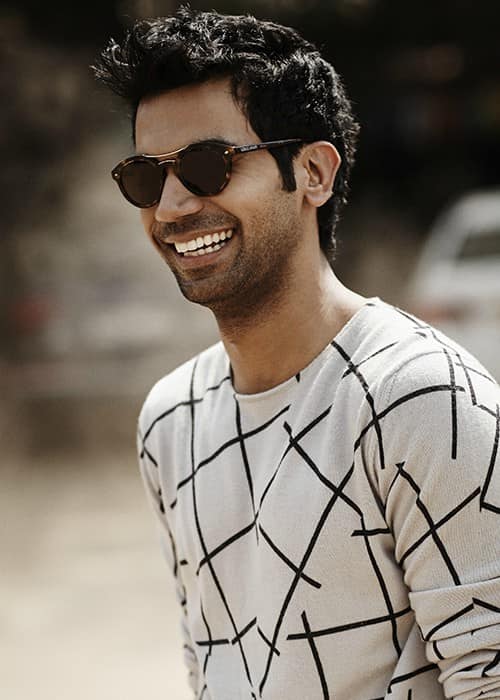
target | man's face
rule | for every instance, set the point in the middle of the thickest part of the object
(255, 263)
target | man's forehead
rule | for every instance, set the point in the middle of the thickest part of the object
(206, 111)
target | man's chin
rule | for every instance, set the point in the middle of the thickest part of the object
(202, 291)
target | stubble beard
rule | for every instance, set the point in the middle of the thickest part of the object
(259, 277)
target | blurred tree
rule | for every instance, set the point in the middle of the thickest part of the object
(45, 114)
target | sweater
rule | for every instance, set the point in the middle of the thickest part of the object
(336, 536)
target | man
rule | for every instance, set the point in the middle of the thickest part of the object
(326, 477)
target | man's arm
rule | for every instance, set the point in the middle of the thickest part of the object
(149, 473)
(440, 490)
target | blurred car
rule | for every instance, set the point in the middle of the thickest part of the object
(456, 283)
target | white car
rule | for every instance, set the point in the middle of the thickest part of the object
(456, 284)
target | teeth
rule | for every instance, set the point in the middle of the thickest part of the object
(207, 243)
(204, 251)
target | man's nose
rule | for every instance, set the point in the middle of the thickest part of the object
(176, 200)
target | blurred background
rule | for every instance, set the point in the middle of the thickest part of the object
(90, 317)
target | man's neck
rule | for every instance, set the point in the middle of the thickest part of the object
(285, 338)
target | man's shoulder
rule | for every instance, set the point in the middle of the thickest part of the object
(420, 392)
(185, 383)
(399, 353)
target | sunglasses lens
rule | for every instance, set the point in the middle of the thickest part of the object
(143, 182)
(203, 169)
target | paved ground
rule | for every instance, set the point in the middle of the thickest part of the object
(87, 608)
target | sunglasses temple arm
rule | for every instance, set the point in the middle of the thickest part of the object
(265, 144)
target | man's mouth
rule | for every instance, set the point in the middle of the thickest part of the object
(209, 243)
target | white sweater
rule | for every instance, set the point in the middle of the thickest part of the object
(338, 535)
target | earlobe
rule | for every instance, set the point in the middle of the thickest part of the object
(321, 162)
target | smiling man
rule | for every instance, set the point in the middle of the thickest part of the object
(326, 477)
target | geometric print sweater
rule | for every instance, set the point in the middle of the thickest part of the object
(337, 536)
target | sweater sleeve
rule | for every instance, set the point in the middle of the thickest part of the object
(438, 472)
(149, 473)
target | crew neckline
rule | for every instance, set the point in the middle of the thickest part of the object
(320, 358)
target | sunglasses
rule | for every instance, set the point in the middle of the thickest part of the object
(203, 168)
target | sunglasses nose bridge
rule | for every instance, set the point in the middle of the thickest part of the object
(163, 166)
(174, 163)
(176, 199)
(167, 161)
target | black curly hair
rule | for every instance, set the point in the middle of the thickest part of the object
(281, 82)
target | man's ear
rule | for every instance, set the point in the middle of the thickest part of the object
(319, 163)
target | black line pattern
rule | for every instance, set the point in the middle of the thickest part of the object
(317, 660)
(432, 526)
(315, 527)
